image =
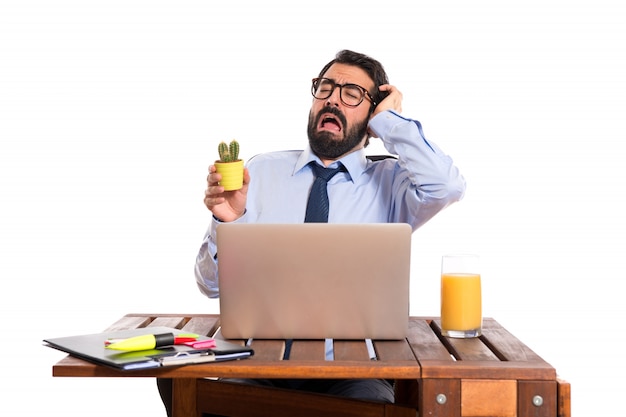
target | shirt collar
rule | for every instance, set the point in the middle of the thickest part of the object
(355, 162)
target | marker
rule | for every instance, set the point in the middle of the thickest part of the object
(179, 339)
(202, 344)
(149, 341)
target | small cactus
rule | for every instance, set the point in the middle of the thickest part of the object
(234, 150)
(228, 153)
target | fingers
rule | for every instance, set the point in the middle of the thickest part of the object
(213, 178)
(391, 89)
(213, 194)
(246, 178)
(211, 202)
(393, 101)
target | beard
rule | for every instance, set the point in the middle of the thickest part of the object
(325, 145)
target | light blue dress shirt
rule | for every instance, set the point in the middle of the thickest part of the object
(412, 189)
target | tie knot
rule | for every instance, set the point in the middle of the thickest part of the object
(326, 173)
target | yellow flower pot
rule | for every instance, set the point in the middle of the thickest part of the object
(232, 174)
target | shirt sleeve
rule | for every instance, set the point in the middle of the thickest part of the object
(426, 180)
(205, 269)
(206, 264)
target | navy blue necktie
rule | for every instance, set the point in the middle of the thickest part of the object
(317, 207)
(316, 212)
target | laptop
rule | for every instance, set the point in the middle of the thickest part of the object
(314, 280)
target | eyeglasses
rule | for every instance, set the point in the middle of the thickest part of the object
(350, 94)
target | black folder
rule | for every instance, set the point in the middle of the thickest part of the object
(91, 347)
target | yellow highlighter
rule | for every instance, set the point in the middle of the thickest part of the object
(150, 341)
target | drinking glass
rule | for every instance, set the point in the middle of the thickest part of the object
(461, 301)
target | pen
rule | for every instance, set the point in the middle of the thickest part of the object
(150, 341)
(184, 358)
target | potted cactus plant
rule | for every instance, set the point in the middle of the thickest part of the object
(230, 166)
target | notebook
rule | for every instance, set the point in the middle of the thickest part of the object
(91, 347)
(314, 280)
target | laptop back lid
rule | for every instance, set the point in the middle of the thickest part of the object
(314, 280)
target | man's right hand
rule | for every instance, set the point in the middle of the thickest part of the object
(227, 206)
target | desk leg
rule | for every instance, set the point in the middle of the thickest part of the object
(440, 397)
(537, 398)
(184, 397)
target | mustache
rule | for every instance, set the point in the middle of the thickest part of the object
(334, 111)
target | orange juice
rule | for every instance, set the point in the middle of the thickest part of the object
(461, 306)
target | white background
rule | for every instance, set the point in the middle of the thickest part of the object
(110, 113)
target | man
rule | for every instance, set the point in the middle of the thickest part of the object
(352, 101)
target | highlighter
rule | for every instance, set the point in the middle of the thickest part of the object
(149, 341)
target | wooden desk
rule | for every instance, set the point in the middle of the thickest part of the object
(494, 375)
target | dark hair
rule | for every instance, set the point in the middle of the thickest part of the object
(372, 67)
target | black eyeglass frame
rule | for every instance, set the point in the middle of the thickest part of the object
(364, 92)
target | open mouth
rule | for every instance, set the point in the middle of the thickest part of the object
(329, 122)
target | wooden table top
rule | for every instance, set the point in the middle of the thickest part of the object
(497, 354)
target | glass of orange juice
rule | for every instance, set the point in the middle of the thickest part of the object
(461, 296)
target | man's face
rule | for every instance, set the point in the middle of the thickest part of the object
(336, 129)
